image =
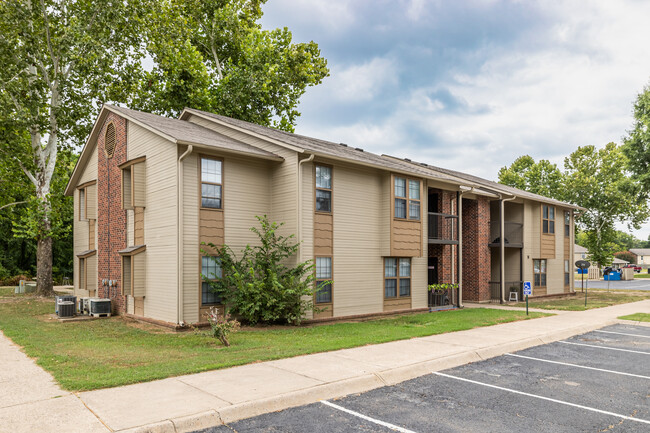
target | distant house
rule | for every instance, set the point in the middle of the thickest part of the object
(580, 253)
(619, 263)
(642, 255)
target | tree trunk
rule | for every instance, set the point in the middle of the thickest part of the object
(44, 286)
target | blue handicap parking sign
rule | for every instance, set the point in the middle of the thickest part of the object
(528, 288)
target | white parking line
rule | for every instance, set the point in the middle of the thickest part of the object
(367, 418)
(605, 347)
(622, 333)
(591, 409)
(579, 366)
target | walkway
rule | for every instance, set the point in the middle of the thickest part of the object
(193, 402)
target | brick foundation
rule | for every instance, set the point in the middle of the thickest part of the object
(476, 252)
(111, 218)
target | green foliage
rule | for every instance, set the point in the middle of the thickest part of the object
(543, 177)
(222, 325)
(637, 143)
(260, 286)
(442, 287)
(213, 55)
(596, 179)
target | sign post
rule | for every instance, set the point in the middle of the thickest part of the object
(583, 264)
(528, 290)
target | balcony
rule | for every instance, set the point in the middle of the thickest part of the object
(513, 234)
(442, 228)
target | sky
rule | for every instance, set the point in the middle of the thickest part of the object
(472, 85)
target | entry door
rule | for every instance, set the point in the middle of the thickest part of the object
(433, 270)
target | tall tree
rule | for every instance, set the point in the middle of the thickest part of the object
(637, 143)
(596, 179)
(59, 59)
(543, 177)
(214, 55)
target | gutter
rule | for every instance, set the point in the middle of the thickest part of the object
(180, 234)
(299, 207)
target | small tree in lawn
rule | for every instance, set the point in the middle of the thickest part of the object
(260, 286)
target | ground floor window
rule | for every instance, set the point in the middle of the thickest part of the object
(397, 277)
(324, 280)
(210, 269)
(539, 271)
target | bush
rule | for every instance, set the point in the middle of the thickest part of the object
(259, 286)
(222, 327)
(15, 280)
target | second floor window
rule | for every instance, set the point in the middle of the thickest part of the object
(548, 219)
(323, 189)
(407, 198)
(211, 183)
(567, 224)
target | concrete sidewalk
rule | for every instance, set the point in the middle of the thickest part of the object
(202, 400)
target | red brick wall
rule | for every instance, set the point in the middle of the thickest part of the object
(111, 218)
(476, 253)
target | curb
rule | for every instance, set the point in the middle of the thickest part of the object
(355, 385)
(633, 322)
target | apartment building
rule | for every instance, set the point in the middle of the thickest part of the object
(150, 190)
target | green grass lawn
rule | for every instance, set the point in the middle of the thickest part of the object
(111, 352)
(637, 317)
(596, 298)
(642, 275)
(7, 291)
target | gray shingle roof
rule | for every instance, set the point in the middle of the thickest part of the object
(640, 251)
(191, 133)
(340, 150)
(579, 249)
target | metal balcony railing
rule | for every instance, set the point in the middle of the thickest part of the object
(514, 234)
(511, 286)
(443, 297)
(442, 228)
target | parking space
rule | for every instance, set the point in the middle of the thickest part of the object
(638, 284)
(599, 381)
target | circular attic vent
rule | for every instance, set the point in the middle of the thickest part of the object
(109, 140)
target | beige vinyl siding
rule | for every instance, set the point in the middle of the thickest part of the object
(307, 216)
(159, 219)
(139, 175)
(191, 262)
(555, 271)
(81, 229)
(386, 214)
(283, 185)
(139, 265)
(91, 202)
(129, 228)
(91, 275)
(419, 277)
(532, 235)
(358, 266)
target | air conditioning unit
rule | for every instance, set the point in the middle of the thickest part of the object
(63, 298)
(99, 307)
(65, 308)
(83, 306)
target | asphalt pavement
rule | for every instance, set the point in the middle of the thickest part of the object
(638, 284)
(594, 382)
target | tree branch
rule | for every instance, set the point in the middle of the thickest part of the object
(12, 204)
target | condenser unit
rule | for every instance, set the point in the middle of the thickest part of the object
(99, 307)
(63, 298)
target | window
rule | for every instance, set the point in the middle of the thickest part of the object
(567, 275)
(567, 224)
(397, 277)
(548, 219)
(539, 271)
(323, 189)
(109, 140)
(323, 280)
(210, 269)
(404, 203)
(211, 183)
(82, 204)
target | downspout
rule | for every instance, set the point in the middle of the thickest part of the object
(180, 234)
(502, 245)
(459, 207)
(299, 214)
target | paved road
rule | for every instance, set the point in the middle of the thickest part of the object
(640, 284)
(593, 382)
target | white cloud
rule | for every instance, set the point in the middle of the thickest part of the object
(361, 82)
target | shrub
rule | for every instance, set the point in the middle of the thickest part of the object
(259, 286)
(222, 326)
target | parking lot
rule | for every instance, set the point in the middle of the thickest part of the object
(639, 284)
(595, 382)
